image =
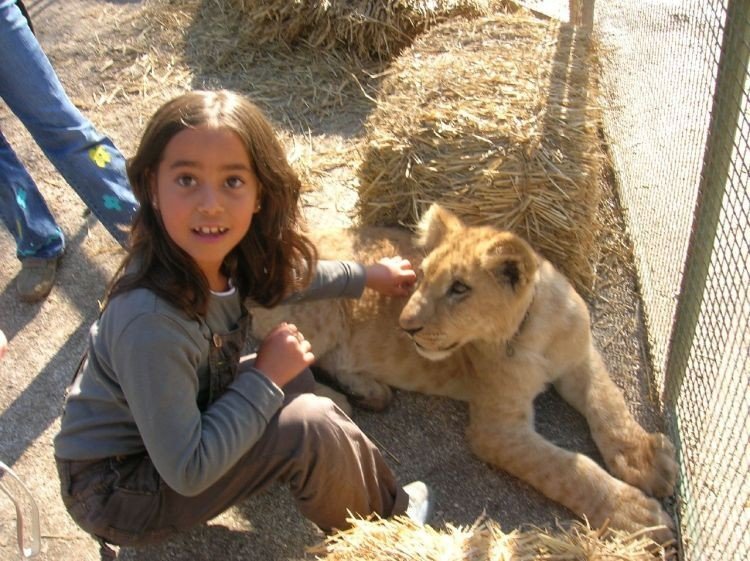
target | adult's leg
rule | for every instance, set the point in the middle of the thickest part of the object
(88, 160)
(24, 211)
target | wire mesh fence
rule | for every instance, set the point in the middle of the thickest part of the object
(674, 79)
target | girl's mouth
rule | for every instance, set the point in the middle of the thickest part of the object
(210, 230)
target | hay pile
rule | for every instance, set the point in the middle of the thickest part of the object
(367, 28)
(399, 539)
(302, 90)
(493, 118)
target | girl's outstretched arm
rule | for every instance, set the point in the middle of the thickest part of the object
(392, 276)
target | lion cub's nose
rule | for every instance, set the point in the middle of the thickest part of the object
(412, 331)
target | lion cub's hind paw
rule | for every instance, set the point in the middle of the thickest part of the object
(664, 472)
(650, 466)
(636, 511)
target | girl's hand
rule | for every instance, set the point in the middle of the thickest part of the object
(392, 276)
(283, 354)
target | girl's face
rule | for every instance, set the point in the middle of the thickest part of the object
(207, 192)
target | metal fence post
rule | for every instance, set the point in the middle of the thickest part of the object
(727, 102)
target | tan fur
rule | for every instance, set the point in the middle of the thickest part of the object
(492, 323)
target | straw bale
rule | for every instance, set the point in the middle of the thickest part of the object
(399, 539)
(494, 119)
(368, 28)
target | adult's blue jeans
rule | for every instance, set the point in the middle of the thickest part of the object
(87, 160)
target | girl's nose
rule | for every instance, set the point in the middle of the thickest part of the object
(210, 200)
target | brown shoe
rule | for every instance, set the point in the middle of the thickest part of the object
(36, 278)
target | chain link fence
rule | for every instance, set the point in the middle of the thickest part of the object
(675, 91)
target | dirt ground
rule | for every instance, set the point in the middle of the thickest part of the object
(98, 49)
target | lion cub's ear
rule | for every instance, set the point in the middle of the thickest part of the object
(434, 226)
(511, 260)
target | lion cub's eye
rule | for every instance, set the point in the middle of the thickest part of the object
(458, 289)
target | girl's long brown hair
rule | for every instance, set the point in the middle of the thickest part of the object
(272, 259)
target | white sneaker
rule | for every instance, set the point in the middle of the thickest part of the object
(420, 502)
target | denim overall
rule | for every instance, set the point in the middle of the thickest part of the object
(128, 488)
(224, 356)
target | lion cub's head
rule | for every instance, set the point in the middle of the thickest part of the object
(476, 284)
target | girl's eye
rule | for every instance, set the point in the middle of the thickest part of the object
(185, 180)
(234, 182)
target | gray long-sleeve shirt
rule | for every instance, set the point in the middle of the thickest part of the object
(147, 364)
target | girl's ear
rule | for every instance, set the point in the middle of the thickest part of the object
(153, 191)
(259, 197)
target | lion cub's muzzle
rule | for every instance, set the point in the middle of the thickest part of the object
(410, 323)
(429, 345)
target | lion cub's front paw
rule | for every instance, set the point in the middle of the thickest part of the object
(377, 398)
(364, 391)
(649, 465)
(633, 511)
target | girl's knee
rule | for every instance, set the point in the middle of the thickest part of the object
(311, 412)
(316, 423)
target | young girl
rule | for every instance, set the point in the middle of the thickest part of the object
(166, 425)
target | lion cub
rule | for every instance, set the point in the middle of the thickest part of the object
(493, 323)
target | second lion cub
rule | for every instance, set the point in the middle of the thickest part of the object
(493, 323)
